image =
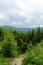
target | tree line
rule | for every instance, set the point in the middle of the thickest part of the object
(12, 42)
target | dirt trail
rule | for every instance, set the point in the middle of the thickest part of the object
(17, 61)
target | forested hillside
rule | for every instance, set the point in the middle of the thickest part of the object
(14, 43)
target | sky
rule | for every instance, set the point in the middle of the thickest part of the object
(21, 13)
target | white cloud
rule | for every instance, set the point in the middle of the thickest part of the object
(2, 16)
(41, 25)
(13, 23)
(26, 8)
(1, 23)
(41, 16)
(31, 10)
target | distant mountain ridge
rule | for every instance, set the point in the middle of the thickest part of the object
(19, 29)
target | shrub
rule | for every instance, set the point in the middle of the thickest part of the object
(34, 56)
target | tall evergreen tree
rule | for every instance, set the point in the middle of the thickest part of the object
(1, 34)
(38, 35)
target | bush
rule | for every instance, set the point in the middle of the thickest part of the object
(34, 56)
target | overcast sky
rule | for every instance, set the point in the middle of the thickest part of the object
(21, 13)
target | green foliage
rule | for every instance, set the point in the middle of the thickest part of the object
(36, 36)
(28, 36)
(6, 48)
(13, 42)
(34, 56)
(1, 34)
(4, 61)
(9, 46)
(21, 42)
